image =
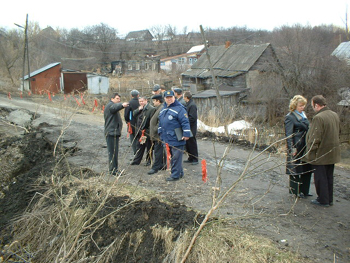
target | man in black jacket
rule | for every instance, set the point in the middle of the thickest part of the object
(130, 120)
(143, 116)
(113, 129)
(191, 143)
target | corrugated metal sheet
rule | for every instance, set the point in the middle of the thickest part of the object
(205, 73)
(195, 49)
(36, 72)
(342, 51)
(240, 57)
(215, 53)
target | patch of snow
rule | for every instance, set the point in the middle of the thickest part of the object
(233, 128)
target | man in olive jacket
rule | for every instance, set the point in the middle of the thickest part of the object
(159, 154)
(323, 149)
(113, 129)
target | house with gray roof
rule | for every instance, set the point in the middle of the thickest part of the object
(139, 36)
(241, 71)
(239, 66)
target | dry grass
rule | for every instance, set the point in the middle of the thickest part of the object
(61, 223)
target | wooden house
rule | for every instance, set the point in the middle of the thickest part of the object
(181, 62)
(239, 66)
(136, 66)
(139, 36)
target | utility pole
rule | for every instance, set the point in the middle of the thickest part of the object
(25, 52)
(213, 78)
(27, 49)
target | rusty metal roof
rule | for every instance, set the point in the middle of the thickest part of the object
(227, 62)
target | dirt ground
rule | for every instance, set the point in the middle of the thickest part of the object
(260, 202)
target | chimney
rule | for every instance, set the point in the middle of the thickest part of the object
(227, 44)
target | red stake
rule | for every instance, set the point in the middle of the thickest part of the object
(76, 101)
(167, 155)
(49, 95)
(204, 171)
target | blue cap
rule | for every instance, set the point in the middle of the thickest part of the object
(169, 93)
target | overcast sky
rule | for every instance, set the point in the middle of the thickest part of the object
(128, 15)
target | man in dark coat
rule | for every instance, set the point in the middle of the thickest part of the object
(113, 129)
(130, 120)
(143, 115)
(159, 155)
(178, 95)
(323, 149)
(191, 143)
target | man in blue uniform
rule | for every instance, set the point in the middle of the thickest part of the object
(173, 120)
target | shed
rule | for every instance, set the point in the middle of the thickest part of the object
(75, 82)
(45, 79)
(208, 106)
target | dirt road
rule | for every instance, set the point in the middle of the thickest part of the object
(260, 202)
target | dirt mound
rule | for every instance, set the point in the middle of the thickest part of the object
(131, 224)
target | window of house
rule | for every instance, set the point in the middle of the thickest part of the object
(146, 66)
(129, 66)
(192, 60)
(154, 66)
(181, 61)
(138, 66)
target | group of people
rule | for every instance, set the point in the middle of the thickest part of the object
(167, 127)
(312, 148)
(163, 128)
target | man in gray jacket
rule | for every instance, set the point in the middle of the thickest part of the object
(113, 129)
(323, 149)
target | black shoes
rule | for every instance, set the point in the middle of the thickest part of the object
(147, 164)
(152, 171)
(315, 202)
(301, 195)
(191, 162)
(170, 179)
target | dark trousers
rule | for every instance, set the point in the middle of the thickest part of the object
(300, 181)
(133, 143)
(112, 148)
(192, 149)
(140, 150)
(159, 156)
(323, 175)
(176, 161)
